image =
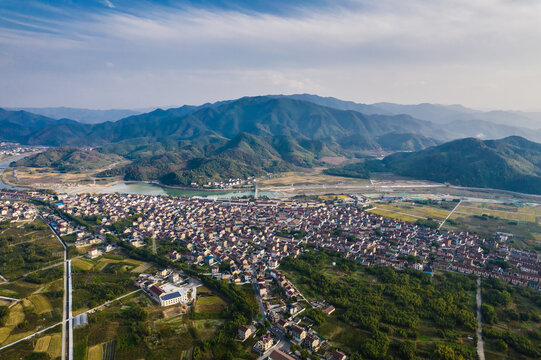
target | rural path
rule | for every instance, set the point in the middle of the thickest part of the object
(451, 213)
(9, 298)
(3, 279)
(480, 344)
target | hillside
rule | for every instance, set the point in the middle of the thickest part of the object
(67, 159)
(243, 156)
(512, 163)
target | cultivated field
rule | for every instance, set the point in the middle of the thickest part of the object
(521, 220)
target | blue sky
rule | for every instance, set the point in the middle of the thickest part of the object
(133, 54)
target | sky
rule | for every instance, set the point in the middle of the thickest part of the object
(136, 54)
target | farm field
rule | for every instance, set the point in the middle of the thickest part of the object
(410, 211)
(27, 246)
(161, 333)
(40, 305)
(208, 303)
(523, 221)
(99, 280)
(313, 176)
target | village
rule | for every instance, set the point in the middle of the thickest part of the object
(243, 241)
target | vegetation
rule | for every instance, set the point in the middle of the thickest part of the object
(512, 320)
(68, 159)
(379, 308)
(513, 163)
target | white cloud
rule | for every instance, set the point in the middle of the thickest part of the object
(480, 53)
(109, 4)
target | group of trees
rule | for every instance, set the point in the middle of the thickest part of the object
(510, 306)
(4, 312)
(27, 256)
(393, 305)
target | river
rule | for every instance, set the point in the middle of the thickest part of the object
(3, 166)
(143, 188)
(149, 189)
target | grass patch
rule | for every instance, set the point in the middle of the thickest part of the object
(41, 304)
(42, 345)
(82, 264)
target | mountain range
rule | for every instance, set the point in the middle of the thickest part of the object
(253, 135)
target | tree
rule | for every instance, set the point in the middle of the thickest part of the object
(406, 350)
(489, 314)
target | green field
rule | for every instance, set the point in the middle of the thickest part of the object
(209, 304)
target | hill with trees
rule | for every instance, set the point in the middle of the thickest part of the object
(69, 159)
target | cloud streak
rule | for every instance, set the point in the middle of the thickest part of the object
(482, 53)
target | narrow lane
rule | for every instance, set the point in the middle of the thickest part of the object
(480, 343)
(449, 215)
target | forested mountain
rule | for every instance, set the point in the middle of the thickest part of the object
(85, 116)
(17, 126)
(262, 116)
(512, 163)
(253, 135)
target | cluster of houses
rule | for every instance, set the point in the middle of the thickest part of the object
(8, 149)
(17, 211)
(168, 287)
(225, 184)
(254, 235)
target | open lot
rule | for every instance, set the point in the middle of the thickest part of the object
(208, 303)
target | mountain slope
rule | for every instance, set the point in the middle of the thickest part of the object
(512, 163)
(69, 159)
(262, 116)
(18, 125)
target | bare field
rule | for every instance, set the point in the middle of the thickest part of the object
(48, 178)
(313, 176)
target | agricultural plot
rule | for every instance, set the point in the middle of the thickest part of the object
(313, 176)
(41, 304)
(486, 219)
(409, 211)
(209, 304)
(27, 247)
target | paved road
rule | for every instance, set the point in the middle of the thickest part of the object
(480, 343)
(448, 215)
